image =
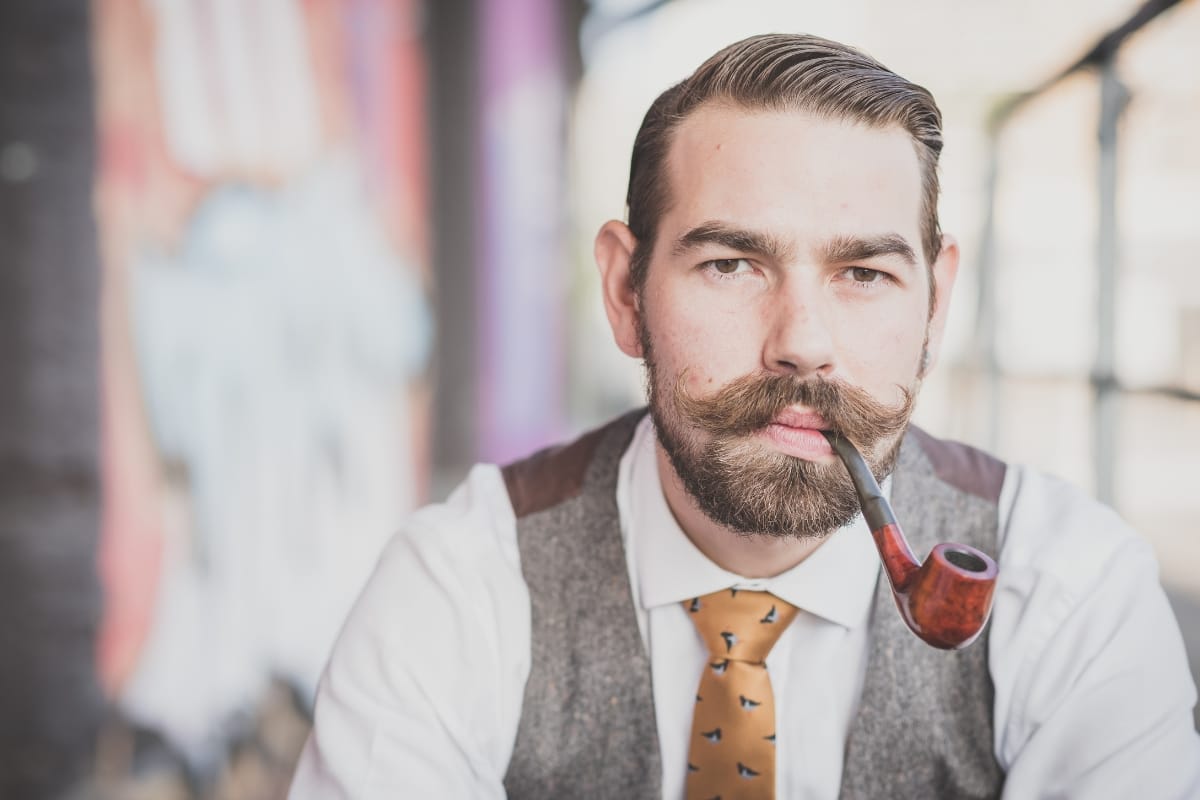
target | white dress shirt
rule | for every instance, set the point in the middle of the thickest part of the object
(423, 693)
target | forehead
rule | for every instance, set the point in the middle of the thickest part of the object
(794, 173)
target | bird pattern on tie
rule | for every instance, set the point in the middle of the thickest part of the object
(731, 754)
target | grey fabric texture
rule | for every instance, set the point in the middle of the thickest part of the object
(587, 725)
(588, 728)
(924, 724)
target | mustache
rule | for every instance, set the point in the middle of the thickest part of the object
(752, 402)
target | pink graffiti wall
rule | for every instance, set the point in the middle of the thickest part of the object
(261, 201)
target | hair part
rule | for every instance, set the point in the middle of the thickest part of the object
(784, 72)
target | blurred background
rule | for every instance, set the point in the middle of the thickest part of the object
(276, 272)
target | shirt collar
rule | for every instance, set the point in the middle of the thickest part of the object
(836, 582)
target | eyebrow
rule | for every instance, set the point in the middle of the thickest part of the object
(841, 249)
(740, 239)
(838, 250)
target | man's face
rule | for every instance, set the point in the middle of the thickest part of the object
(786, 293)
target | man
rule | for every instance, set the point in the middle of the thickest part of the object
(599, 620)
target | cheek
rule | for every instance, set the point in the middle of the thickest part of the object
(711, 345)
(881, 356)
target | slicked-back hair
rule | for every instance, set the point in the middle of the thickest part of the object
(784, 72)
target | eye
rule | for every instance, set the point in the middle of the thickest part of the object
(728, 266)
(867, 276)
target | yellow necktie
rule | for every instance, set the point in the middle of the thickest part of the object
(732, 750)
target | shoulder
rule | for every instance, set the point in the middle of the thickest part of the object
(1054, 530)
(1059, 549)
(550, 476)
(450, 574)
(390, 716)
(1046, 523)
(478, 510)
(557, 474)
(1066, 563)
(964, 467)
(1082, 631)
(445, 559)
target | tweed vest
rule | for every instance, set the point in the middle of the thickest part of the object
(587, 730)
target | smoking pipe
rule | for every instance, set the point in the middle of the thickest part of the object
(947, 600)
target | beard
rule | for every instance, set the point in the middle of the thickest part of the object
(747, 486)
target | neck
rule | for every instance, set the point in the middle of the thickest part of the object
(753, 556)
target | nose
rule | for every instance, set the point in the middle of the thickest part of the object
(799, 340)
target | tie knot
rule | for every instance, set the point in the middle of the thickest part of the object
(740, 625)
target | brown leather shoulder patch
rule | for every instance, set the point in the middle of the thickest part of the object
(550, 476)
(962, 466)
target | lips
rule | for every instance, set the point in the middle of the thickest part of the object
(798, 434)
(793, 418)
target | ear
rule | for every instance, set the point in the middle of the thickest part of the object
(945, 270)
(614, 253)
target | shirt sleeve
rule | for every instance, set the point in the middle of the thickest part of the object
(1093, 693)
(422, 694)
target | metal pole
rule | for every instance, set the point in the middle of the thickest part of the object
(1113, 99)
(985, 318)
(452, 33)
